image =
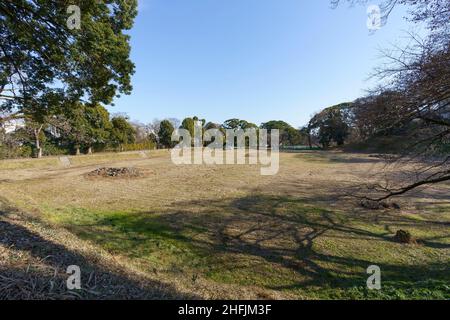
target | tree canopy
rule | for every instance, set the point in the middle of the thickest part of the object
(122, 131)
(165, 133)
(43, 63)
(288, 134)
(238, 124)
(331, 124)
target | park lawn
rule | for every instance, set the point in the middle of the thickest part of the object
(228, 232)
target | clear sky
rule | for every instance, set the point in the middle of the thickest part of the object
(256, 60)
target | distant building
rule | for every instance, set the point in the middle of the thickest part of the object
(13, 125)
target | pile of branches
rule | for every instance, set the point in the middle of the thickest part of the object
(116, 173)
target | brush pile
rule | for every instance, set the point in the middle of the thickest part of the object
(116, 173)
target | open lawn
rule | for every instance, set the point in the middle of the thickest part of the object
(216, 231)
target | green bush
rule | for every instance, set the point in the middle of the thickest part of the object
(52, 149)
(24, 151)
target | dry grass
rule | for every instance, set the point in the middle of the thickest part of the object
(215, 231)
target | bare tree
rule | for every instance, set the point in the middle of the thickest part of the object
(417, 101)
(436, 13)
(413, 97)
(142, 131)
(175, 122)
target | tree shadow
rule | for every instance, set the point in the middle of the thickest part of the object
(255, 238)
(283, 231)
(44, 274)
(335, 157)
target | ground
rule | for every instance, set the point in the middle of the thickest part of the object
(212, 232)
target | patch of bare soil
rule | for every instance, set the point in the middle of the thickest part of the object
(116, 173)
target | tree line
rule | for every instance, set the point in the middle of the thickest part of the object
(88, 128)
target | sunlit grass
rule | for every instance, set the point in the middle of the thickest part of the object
(28, 163)
(229, 226)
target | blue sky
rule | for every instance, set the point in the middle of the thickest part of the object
(256, 60)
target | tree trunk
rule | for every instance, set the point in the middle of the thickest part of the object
(89, 150)
(309, 140)
(38, 152)
(77, 151)
(37, 133)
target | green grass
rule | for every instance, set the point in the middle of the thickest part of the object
(134, 235)
(443, 209)
(284, 234)
(331, 266)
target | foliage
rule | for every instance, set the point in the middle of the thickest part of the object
(41, 50)
(46, 68)
(332, 124)
(238, 124)
(122, 132)
(15, 151)
(189, 124)
(413, 98)
(99, 125)
(289, 136)
(165, 134)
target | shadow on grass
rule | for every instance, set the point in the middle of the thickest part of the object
(330, 157)
(45, 277)
(273, 242)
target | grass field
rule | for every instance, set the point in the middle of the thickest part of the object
(216, 231)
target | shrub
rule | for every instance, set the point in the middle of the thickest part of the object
(24, 151)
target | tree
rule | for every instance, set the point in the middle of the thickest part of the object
(331, 124)
(288, 134)
(142, 131)
(212, 125)
(40, 113)
(16, 144)
(78, 133)
(153, 128)
(238, 124)
(38, 50)
(99, 126)
(122, 132)
(36, 130)
(414, 96)
(165, 134)
(175, 122)
(189, 124)
(435, 13)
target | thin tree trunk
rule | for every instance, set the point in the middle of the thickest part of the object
(309, 140)
(37, 133)
(89, 150)
(77, 151)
